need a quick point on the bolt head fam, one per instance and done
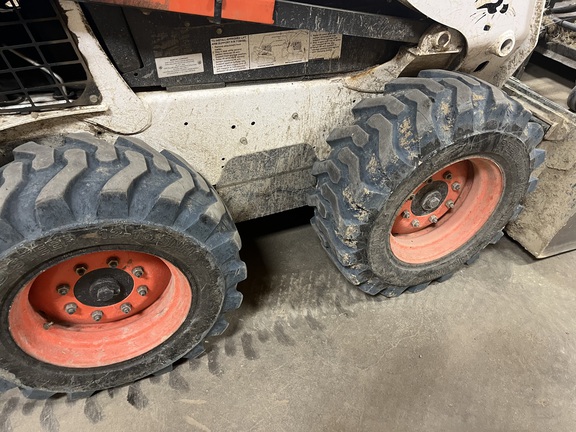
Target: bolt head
(406, 214)
(138, 272)
(456, 186)
(63, 289)
(126, 308)
(71, 308)
(81, 269)
(113, 262)
(433, 219)
(97, 315)
(450, 204)
(415, 224)
(448, 175)
(142, 290)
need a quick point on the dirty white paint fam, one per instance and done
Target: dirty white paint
(502, 32)
(210, 127)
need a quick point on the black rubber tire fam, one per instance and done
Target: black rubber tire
(55, 203)
(571, 101)
(399, 140)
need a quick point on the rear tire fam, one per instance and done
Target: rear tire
(135, 240)
(427, 177)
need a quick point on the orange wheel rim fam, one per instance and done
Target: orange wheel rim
(99, 309)
(442, 214)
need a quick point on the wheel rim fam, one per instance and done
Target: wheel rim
(447, 210)
(99, 309)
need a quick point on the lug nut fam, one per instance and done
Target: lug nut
(113, 262)
(456, 186)
(81, 269)
(142, 290)
(433, 219)
(450, 204)
(126, 308)
(447, 175)
(138, 272)
(71, 308)
(97, 315)
(415, 224)
(63, 289)
(406, 214)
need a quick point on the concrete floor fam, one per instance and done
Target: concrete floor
(492, 349)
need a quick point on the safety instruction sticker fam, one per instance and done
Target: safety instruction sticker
(179, 65)
(263, 50)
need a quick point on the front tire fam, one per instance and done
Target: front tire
(115, 261)
(427, 177)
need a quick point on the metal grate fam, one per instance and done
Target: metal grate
(41, 67)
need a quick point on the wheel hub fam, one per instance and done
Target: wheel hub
(429, 198)
(103, 287)
(433, 199)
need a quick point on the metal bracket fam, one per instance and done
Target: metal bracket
(437, 41)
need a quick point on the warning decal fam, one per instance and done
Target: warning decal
(263, 50)
(179, 65)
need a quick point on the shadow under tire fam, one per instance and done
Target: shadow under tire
(428, 175)
(115, 262)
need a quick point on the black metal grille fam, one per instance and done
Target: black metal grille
(41, 67)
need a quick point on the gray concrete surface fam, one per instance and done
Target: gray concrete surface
(492, 349)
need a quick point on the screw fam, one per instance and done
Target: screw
(415, 224)
(143, 290)
(447, 175)
(219, 31)
(433, 219)
(138, 272)
(113, 262)
(456, 186)
(126, 308)
(406, 214)
(93, 99)
(97, 315)
(81, 269)
(63, 289)
(71, 308)
(450, 204)
(243, 141)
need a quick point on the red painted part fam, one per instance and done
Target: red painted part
(482, 183)
(42, 329)
(260, 11)
(195, 7)
(459, 174)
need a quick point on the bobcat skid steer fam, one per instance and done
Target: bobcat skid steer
(134, 133)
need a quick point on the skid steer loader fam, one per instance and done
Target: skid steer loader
(134, 133)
